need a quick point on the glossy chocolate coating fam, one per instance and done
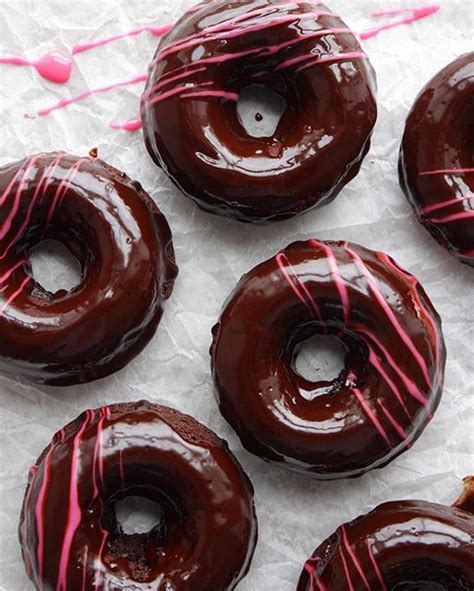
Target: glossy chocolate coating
(68, 530)
(124, 246)
(437, 158)
(399, 546)
(199, 140)
(395, 357)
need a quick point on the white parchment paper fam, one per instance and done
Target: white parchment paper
(295, 513)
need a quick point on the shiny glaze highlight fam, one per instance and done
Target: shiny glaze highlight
(124, 246)
(395, 357)
(305, 54)
(399, 546)
(70, 536)
(437, 158)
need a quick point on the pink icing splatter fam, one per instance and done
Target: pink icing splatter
(414, 14)
(54, 66)
(157, 31)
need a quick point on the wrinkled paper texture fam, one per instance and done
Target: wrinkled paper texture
(295, 513)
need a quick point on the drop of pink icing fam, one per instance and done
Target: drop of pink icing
(130, 125)
(53, 66)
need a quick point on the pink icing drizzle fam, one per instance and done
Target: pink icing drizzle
(450, 171)
(414, 15)
(372, 416)
(54, 66)
(74, 508)
(157, 31)
(346, 572)
(310, 568)
(296, 285)
(376, 567)
(86, 94)
(351, 553)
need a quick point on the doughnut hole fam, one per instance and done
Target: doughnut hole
(54, 267)
(260, 110)
(326, 359)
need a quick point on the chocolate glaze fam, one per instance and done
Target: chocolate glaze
(399, 546)
(124, 246)
(69, 534)
(437, 158)
(189, 108)
(394, 366)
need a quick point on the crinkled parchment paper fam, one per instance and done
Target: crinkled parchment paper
(295, 513)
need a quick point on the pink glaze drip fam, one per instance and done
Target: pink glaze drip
(376, 567)
(389, 312)
(372, 416)
(296, 285)
(54, 66)
(157, 31)
(414, 14)
(130, 125)
(88, 93)
(351, 553)
(74, 508)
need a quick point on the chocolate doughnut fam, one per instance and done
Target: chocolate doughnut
(124, 246)
(302, 52)
(399, 546)
(394, 365)
(69, 533)
(437, 158)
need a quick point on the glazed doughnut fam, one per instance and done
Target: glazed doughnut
(437, 158)
(69, 533)
(399, 546)
(298, 49)
(394, 365)
(124, 246)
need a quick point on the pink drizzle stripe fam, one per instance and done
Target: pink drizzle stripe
(389, 312)
(17, 200)
(9, 273)
(88, 93)
(26, 523)
(455, 217)
(154, 30)
(376, 567)
(373, 359)
(332, 59)
(229, 96)
(121, 469)
(63, 188)
(84, 568)
(46, 178)
(346, 572)
(14, 296)
(296, 285)
(377, 424)
(409, 384)
(351, 553)
(337, 277)
(395, 424)
(444, 204)
(416, 14)
(98, 461)
(310, 568)
(74, 509)
(452, 171)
